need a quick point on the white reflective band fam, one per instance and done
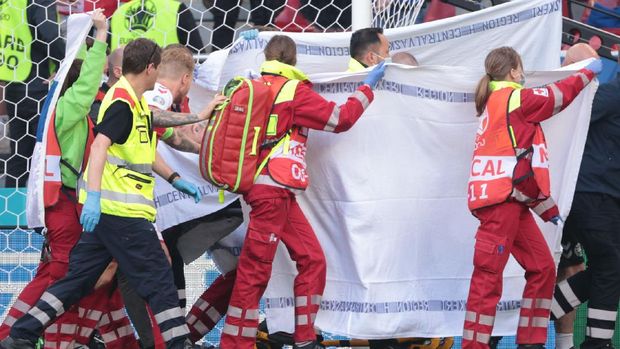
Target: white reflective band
(85, 332)
(599, 333)
(9, 320)
(542, 303)
(105, 319)
(52, 301)
(169, 314)
(230, 330)
(470, 316)
(181, 294)
(519, 196)
(200, 327)
(50, 345)
(117, 314)
(312, 317)
(468, 335)
(557, 310)
(125, 331)
(191, 318)
(81, 312)
(486, 320)
(108, 337)
(568, 293)
(202, 304)
(302, 320)
(234, 311)
(67, 329)
(524, 321)
(53, 328)
(214, 315)
(66, 345)
(543, 206)
(38, 314)
(142, 168)
(251, 314)
(249, 332)
(175, 332)
(360, 96)
(558, 96)
(301, 301)
(334, 119)
(584, 78)
(94, 315)
(21, 306)
(483, 337)
(121, 197)
(539, 321)
(600, 314)
(526, 303)
(316, 299)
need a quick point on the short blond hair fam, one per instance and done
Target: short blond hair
(176, 60)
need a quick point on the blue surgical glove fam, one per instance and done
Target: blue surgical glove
(596, 66)
(556, 220)
(188, 188)
(375, 75)
(91, 211)
(249, 34)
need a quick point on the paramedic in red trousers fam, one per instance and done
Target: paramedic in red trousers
(509, 176)
(117, 194)
(275, 213)
(594, 219)
(71, 133)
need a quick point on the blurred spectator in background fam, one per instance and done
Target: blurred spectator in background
(163, 21)
(606, 15)
(226, 14)
(28, 64)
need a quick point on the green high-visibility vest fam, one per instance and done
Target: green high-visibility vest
(151, 19)
(15, 41)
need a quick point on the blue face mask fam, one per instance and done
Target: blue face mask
(522, 81)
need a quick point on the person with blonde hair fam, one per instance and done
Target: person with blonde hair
(509, 175)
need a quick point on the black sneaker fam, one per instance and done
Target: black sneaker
(10, 343)
(311, 345)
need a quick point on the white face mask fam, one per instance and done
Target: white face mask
(104, 78)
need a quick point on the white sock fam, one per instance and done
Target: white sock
(301, 344)
(563, 340)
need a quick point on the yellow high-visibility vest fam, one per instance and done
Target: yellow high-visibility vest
(127, 181)
(151, 19)
(15, 41)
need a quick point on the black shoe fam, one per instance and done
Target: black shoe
(531, 346)
(311, 345)
(10, 343)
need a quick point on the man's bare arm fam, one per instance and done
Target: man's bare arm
(180, 141)
(164, 118)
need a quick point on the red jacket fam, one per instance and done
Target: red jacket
(537, 105)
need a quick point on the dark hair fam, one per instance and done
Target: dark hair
(497, 65)
(72, 75)
(138, 54)
(281, 48)
(362, 39)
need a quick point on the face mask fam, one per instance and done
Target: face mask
(522, 81)
(388, 60)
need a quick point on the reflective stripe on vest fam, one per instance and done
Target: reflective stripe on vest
(495, 153)
(15, 41)
(126, 184)
(151, 19)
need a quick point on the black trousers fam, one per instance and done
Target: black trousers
(595, 220)
(134, 244)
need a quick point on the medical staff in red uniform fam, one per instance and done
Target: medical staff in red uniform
(509, 176)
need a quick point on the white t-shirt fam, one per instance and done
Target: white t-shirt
(159, 97)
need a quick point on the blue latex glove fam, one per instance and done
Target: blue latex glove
(91, 211)
(249, 34)
(188, 188)
(375, 75)
(595, 66)
(556, 220)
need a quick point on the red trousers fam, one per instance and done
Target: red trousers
(509, 228)
(63, 232)
(275, 215)
(210, 307)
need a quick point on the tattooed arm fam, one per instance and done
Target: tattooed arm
(164, 118)
(182, 142)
